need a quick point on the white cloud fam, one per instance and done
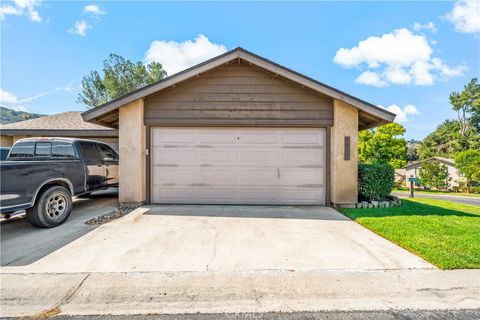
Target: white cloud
(12, 101)
(427, 26)
(400, 57)
(465, 16)
(93, 9)
(7, 97)
(371, 78)
(177, 56)
(21, 7)
(80, 28)
(402, 113)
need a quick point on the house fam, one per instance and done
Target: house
(66, 124)
(412, 170)
(238, 129)
(400, 176)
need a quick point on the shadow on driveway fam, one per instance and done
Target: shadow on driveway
(23, 244)
(248, 211)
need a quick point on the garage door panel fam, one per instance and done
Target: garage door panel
(302, 138)
(238, 165)
(172, 136)
(291, 177)
(259, 195)
(218, 157)
(258, 137)
(301, 157)
(174, 156)
(218, 137)
(256, 157)
(174, 176)
(257, 177)
(217, 176)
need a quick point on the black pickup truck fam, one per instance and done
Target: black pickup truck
(41, 175)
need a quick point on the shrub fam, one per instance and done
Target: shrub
(375, 181)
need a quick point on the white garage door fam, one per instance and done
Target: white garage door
(238, 166)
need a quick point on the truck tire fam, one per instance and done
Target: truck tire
(52, 207)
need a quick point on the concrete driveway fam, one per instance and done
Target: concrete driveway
(22, 244)
(208, 238)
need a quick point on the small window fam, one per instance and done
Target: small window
(43, 149)
(89, 152)
(107, 153)
(64, 150)
(22, 150)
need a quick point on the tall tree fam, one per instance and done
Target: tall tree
(442, 142)
(383, 145)
(468, 163)
(120, 76)
(434, 174)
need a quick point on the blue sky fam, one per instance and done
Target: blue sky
(407, 54)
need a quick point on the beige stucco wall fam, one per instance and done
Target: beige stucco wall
(132, 145)
(344, 172)
(6, 141)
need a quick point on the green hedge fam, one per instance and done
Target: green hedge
(375, 181)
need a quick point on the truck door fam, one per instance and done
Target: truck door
(94, 173)
(110, 164)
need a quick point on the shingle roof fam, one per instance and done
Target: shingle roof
(441, 159)
(70, 120)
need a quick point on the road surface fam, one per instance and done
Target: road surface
(460, 199)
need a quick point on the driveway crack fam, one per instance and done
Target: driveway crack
(214, 253)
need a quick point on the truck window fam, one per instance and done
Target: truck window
(107, 153)
(43, 149)
(63, 150)
(89, 152)
(22, 150)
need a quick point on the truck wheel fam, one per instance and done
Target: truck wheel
(51, 209)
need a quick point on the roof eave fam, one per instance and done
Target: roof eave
(94, 113)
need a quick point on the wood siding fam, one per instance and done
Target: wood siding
(238, 94)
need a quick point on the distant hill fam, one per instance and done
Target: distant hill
(11, 116)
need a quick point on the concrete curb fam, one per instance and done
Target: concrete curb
(235, 292)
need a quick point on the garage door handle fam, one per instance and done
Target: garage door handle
(278, 173)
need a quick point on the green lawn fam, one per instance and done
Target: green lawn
(473, 195)
(444, 233)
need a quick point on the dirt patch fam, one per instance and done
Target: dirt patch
(115, 214)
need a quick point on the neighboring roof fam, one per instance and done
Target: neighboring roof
(449, 161)
(383, 115)
(70, 122)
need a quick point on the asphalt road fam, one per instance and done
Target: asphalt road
(331, 315)
(460, 199)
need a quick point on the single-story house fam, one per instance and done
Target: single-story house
(66, 124)
(238, 129)
(400, 176)
(412, 170)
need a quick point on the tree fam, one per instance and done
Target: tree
(442, 142)
(467, 106)
(383, 145)
(434, 174)
(412, 150)
(454, 136)
(468, 163)
(120, 76)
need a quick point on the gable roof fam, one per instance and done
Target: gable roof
(70, 122)
(449, 161)
(379, 115)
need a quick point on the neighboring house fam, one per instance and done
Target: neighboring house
(66, 124)
(238, 129)
(413, 171)
(400, 176)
